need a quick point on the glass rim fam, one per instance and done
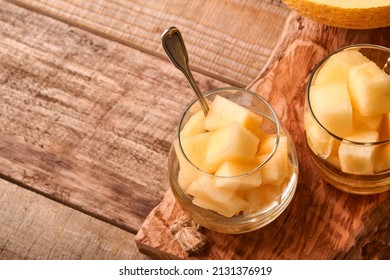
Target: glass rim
(314, 72)
(232, 89)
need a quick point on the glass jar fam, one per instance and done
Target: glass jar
(270, 197)
(358, 160)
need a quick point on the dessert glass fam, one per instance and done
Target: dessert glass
(324, 146)
(275, 200)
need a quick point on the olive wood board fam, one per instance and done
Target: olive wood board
(321, 221)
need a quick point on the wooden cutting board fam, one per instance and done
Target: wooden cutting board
(321, 222)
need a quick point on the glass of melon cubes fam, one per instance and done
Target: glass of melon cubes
(236, 169)
(347, 119)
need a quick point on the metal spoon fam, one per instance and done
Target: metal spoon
(173, 44)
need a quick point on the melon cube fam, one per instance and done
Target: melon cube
(260, 133)
(242, 183)
(358, 159)
(262, 197)
(194, 125)
(223, 201)
(332, 107)
(223, 112)
(187, 172)
(333, 157)
(231, 143)
(384, 130)
(382, 159)
(334, 160)
(337, 67)
(194, 148)
(369, 89)
(268, 143)
(276, 168)
(361, 123)
(319, 141)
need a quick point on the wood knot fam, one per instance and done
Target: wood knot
(189, 235)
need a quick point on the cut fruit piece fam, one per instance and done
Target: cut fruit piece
(382, 158)
(231, 143)
(333, 157)
(223, 112)
(187, 172)
(337, 67)
(355, 14)
(334, 160)
(361, 123)
(260, 133)
(262, 197)
(319, 141)
(332, 107)
(268, 143)
(223, 201)
(230, 169)
(193, 126)
(358, 159)
(384, 130)
(194, 148)
(369, 89)
(276, 169)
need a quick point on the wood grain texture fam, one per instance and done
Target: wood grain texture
(321, 222)
(228, 40)
(34, 227)
(88, 122)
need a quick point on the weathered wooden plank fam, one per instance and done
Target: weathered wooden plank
(86, 121)
(35, 227)
(321, 222)
(229, 40)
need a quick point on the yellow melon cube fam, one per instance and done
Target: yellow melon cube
(333, 157)
(223, 112)
(262, 197)
(187, 172)
(242, 183)
(194, 125)
(334, 160)
(231, 143)
(319, 141)
(275, 169)
(194, 148)
(331, 105)
(358, 159)
(337, 67)
(361, 123)
(382, 159)
(268, 144)
(223, 201)
(384, 130)
(259, 133)
(369, 89)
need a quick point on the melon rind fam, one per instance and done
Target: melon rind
(357, 15)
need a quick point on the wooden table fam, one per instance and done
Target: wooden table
(89, 105)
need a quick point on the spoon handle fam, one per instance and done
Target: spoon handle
(173, 44)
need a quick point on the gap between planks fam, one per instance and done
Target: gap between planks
(38, 228)
(232, 52)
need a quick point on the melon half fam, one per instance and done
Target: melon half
(354, 14)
